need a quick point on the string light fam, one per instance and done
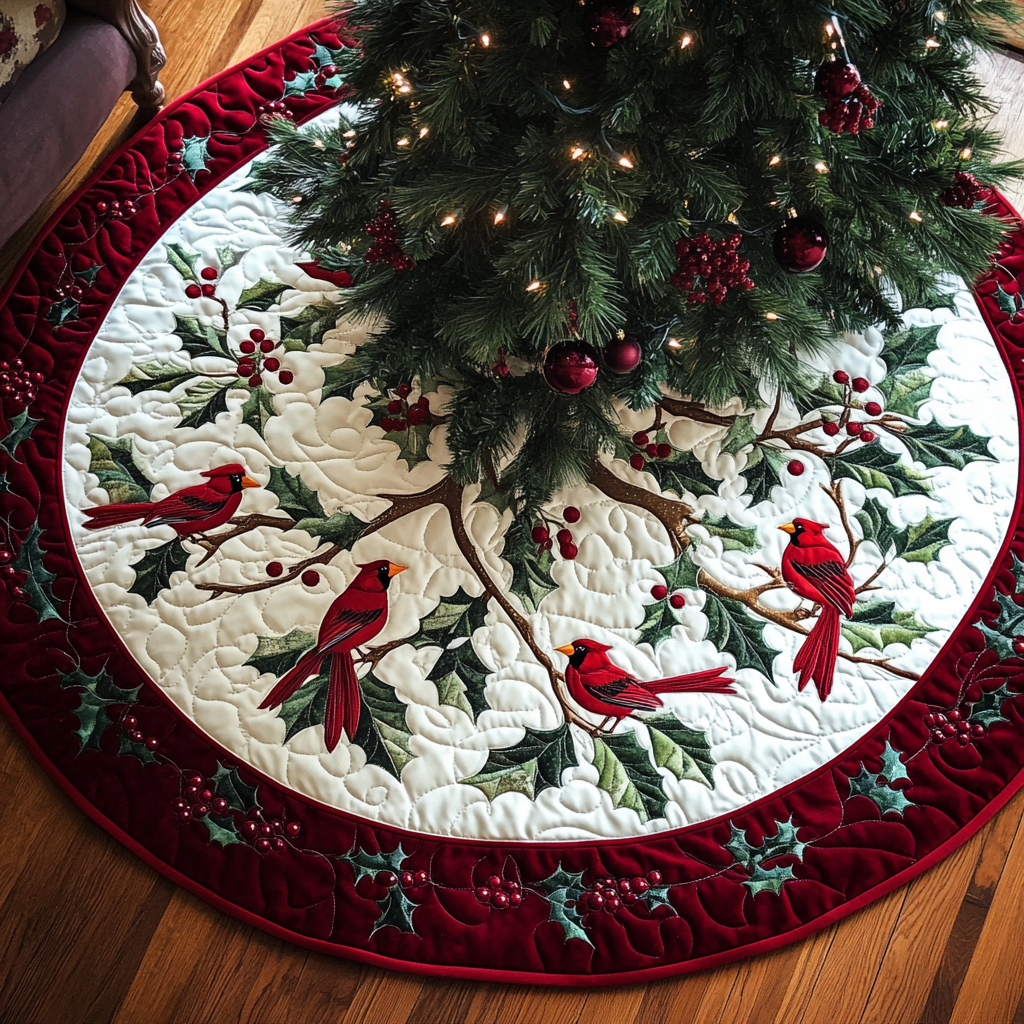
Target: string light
(931, 43)
(686, 41)
(821, 167)
(533, 286)
(499, 215)
(775, 161)
(577, 152)
(915, 216)
(402, 142)
(674, 343)
(298, 199)
(485, 39)
(423, 132)
(624, 161)
(940, 16)
(940, 125)
(771, 316)
(732, 218)
(319, 144)
(566, 84)
(449, 220)
(401, 83)
(350, 134)
(965, 154)
(620, 217)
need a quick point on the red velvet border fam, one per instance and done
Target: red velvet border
(713, 918)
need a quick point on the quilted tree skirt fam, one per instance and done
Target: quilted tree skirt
(470, 819)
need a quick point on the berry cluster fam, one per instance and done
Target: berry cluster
(408, 879)
(384, 228)
(401, 415)
(566, 546)
(275, 108)
(18, 383)
(324, 72)
(653, 450)
(267, 835)
(708, 269)
(612, 894)
(944, 726)
(256, 360)
(659, 592)
(849, 105)
(500, 367)
(9, 574)
(208, 290)
(310, 577)
(609, 23)
(198, 799)
(853, 427)
(130, 727)
(116, 209)
(966, 192)
(500, 893)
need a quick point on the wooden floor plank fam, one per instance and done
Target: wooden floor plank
(384, 996)
(811, 956)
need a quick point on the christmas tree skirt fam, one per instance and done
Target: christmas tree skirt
(602, 748)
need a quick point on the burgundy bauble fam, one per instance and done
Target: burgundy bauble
(570, 367)
(800, 244)
(836, 79)
(621, 355)
(609, 23)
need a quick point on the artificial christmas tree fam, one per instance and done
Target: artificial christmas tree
(522, 182)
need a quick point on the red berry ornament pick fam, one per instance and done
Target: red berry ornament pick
(836, 79)
(800, 245)
(849, 106)
(570, 367)
(621, 355)
(384, 229)
(609, 23)
(709, 269)
(966, 192)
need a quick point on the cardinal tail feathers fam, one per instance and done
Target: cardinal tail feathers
(816, 659)
(308, 665)
(343, 703)
(102, 516)
(708, 681)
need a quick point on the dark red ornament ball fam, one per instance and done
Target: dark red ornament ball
(621, 355)
(800, 245)
(570, 367)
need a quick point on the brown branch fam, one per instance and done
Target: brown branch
(406, 504)
(226, 313)
(675, 516)
(491, 471)
(694, 411)
(835, 492)
(774, 414)
(376, 654)
(866, 585)
(243, 525)
(296, 570)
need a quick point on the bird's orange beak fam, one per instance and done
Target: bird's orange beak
(566, 650)
(247, 481)
(787, 528)
(394, 570)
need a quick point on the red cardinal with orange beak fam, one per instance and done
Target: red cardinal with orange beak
(599, 685)
(815, 569)
(358, 614)
(190, 511)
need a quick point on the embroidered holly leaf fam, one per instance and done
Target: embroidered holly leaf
(823, 394)
(733, 536)
(886, 799)
(184, 260)
(935, 445)
(38, 585)
(303, 82)
(732, 630)
(200, 339)
(153, 571)
(112, 462)
(768, 879)
(262, 295)
(204, 401)
(876, 624)
(294, 497)
(89, 274)
(782, 843)
(763, 471)
(919, 542)
(195, 154)
(342, 529)
(745, 854)
(228, 256)
(19, 428)
(156, 377)
(5, 487)
(872, 466)
(222, 832)
(395, 911)
(1017, 567)
(1009, 624)
(324, 55)
(1008, 304)
(455, 616)
(64, 311)
(133, 748)
(893, 768)
(308, 327)
(343, 379)
(626, 774)
(306, 707)
(657, 896)
(563, 890)
(683, 473)
(278, 654)
(531, 571)
(660, 618)
(97, 693)
(908, 382)
(369, 865)
(741, 433)
(534, 764)
(258, 409)
(685, 752)
(461, 678)
(382, 732)
(227, 783)
(989, 709)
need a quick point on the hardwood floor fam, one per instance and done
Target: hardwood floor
(88, 933)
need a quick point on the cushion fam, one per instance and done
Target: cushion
(27, 28)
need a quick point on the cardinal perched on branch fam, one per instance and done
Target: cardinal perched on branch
(190, 511)
(814, 569)
(358, 614)
(599, 685)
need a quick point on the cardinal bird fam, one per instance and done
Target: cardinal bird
(599, 685)
(814, 569)
(358, 614)
(191, 510)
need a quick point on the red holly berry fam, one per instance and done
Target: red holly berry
(708, 268)
(193, 291)
(860, 384)
(515, 898)
(938, 736)
(310, 578)
(255, 380)
(407, 878)
(75, 292)
(949, 729)
(977, 731)
(1018, 646)
(184, 816)
(831, 428)
(867, 436)
(654, 877)
(640, 884)
(263, 846)
(386, 878)
(539, 534)
(208, 274)
(659, 591)
(421, 878)
(209, 290)
(483, 894)
(247, 347)
(245, 368)
(564, 536)
(179, 804)
(418, 416)
(152, 743)
(272, 364)
(796, 467)
(499, 900)
(664, 450)
(494, 882)
(129, 723)
(854, 428)
(286, 376)
(267, 346)
(836, 79)
(200, 810)
(257, 335)
(652, 451)
(841, 377)
(219, 805)
(571, 514)
(595, 901)
(568, 551)
(677, 600)
(640, 439)
(612, 904)
(274, 569)
(873, 409)
(292, 829)
(637, 461)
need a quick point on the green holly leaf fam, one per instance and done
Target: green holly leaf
(201, 339)
(989, 709)
(659, 622)
(258, 409)
(89, 275)
(824, 394)
(1017, 568)
(195, 154)
(131, 748)
(456, 616)
(741, 433)
(204, 401)
(98, 693)
(872, 466)
(308, 327)
(657, 896)
(685, 752)
(876, 624)
(783, 843)
(919, 542)
(228, 256)
(461, 678)
(1009, 624)
(395, 912)
(1007, 303)
(63, 312)
(157, 377)
(303, 82)
(534, 764)
(893, 768)
(184, 260)
(531, 571)
(732, 630)
(112, 462)
(768, 879)
(342, 379)
(153, 571)
(683, 473)
(324, 55)
(907, 384)
(227, 783)
(745, 854)
(342, 529)
(733, 536)
(223, 832)
(365, 864)
(262, 295)
(383, 715)
(19, 428)
(763, 471)
(414, 443)
(561, 889)
(294, 497)
(935, 445)
(39, 582)
(886, 799)
(680, 574)
(627, 775)
(278, 654)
